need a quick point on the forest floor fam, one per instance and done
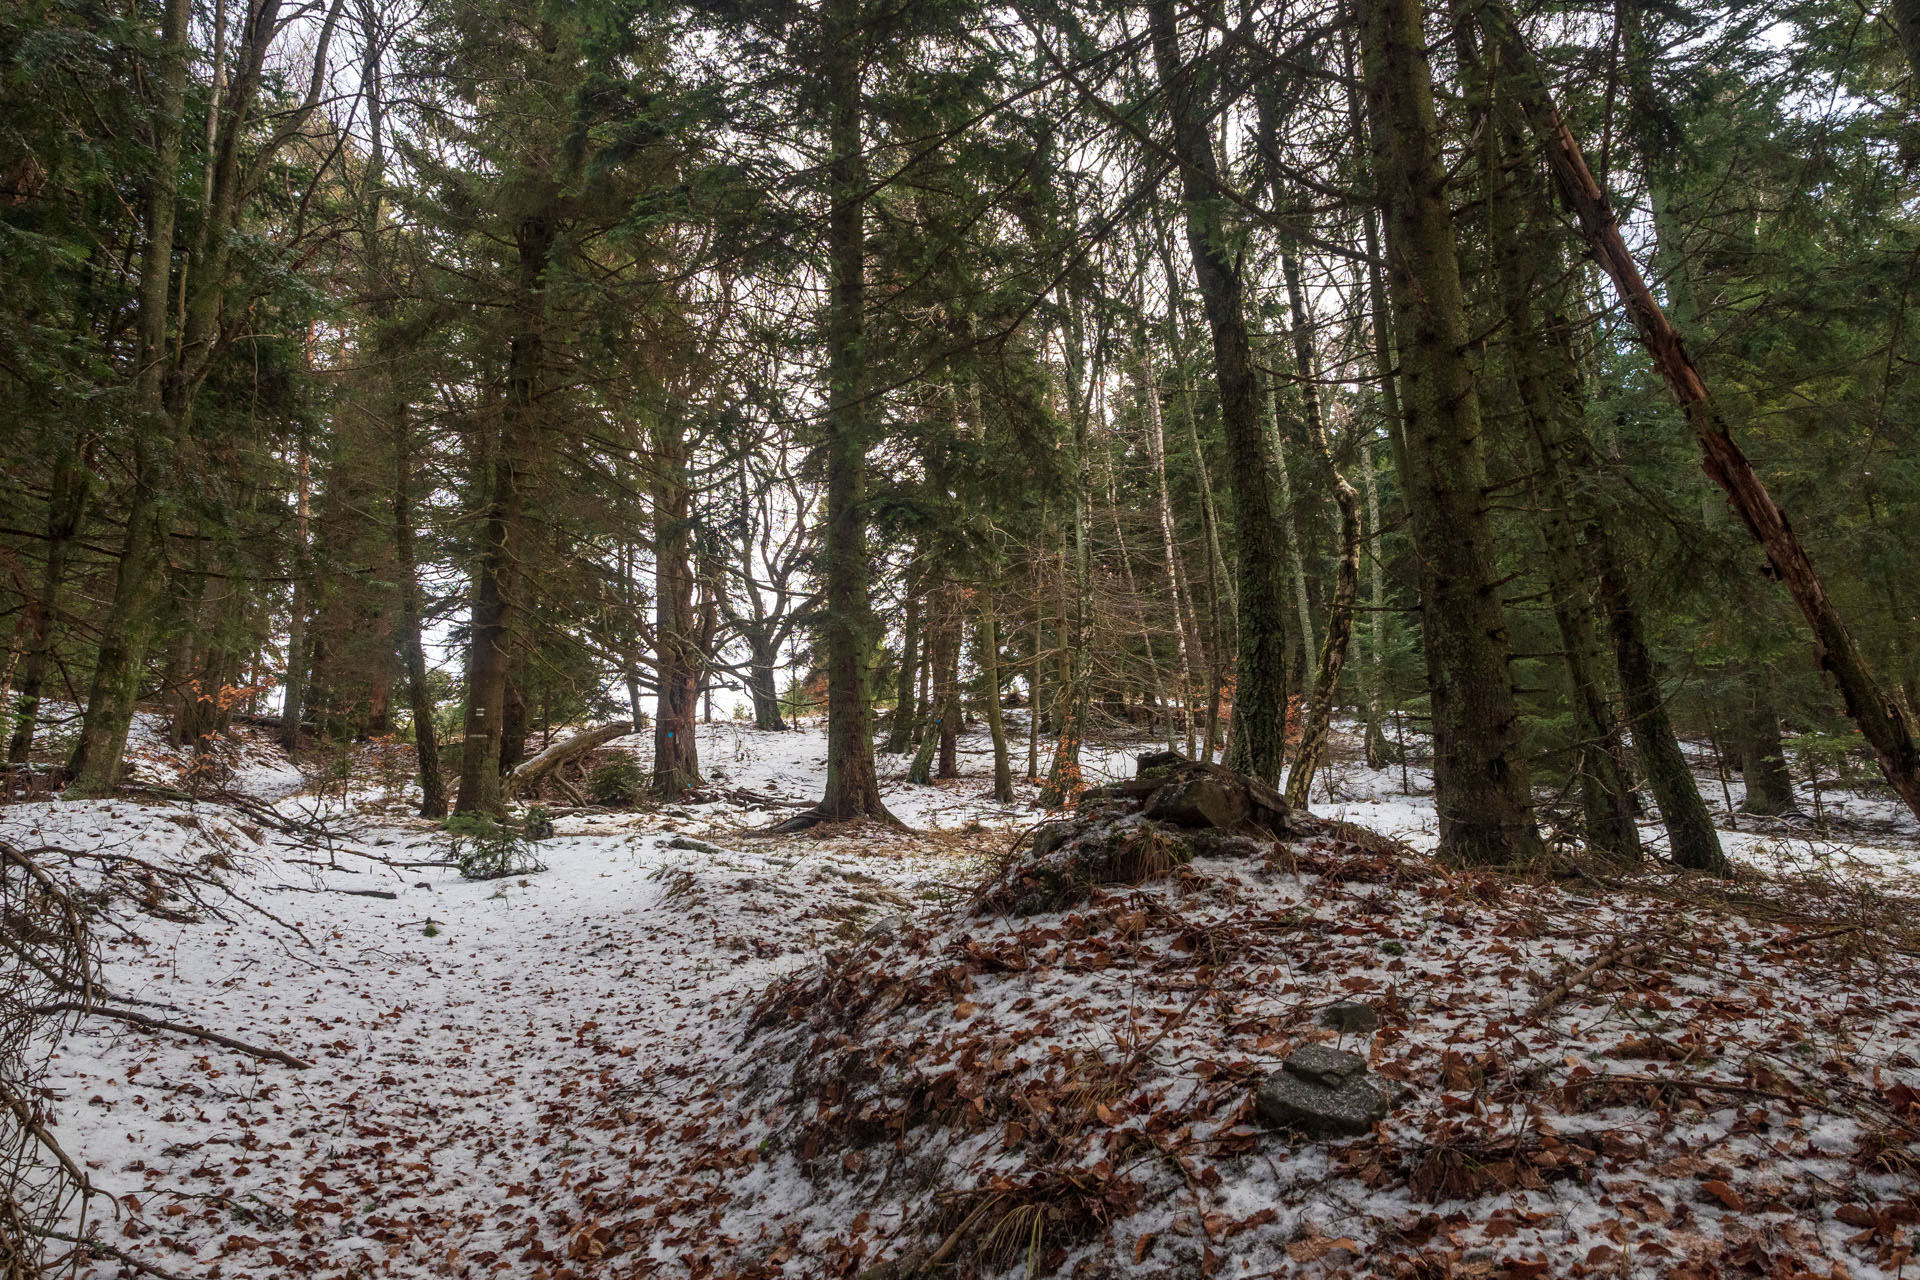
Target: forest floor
(635, 1062)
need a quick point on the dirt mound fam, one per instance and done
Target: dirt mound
(1172, 811)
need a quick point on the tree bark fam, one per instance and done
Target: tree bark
(989, 642)
(905, 711)
(1763, 757)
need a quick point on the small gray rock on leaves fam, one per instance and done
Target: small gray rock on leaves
(1322, 1092)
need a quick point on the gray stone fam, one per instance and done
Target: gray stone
(1293, 1102)
(1350, 1015)
(1322, 1065)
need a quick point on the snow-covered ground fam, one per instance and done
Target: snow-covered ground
(503, 1071)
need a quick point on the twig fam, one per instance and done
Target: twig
(179, 1028)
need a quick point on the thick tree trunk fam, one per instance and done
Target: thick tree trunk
(1260, 693)
(763, 662)
(130, 625)
(1868, 704)
(852, 788)
(497, 574)
(1480, 776)
(1692, 841)
(679, 661)
(1527, 266)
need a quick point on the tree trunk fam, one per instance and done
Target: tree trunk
(1260, 693)
(1186, 626)
(678, 662)
(413, 654)
(497, 574)
(1763, 757)
(763, 663)
(905, 710)
(66, 511)
(852, 788)
(1527, 265)
(130, 624)
(1480, 776)
(1692, 841)
(1064, 781)
(989, 641)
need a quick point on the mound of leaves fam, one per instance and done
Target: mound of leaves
(1063, 1076)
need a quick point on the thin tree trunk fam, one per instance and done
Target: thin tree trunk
(989, 641)
(1186, 626)
(1064, 780)
(413, 654)
(66, 510)
(900, 732)
(1260, 693)
(1333, 654)
(1379, 751)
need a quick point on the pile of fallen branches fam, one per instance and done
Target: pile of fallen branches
(49, 977)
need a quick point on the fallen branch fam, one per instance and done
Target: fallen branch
(178, 1028)
(1559, 991)
(358, 893)
(118, 1255)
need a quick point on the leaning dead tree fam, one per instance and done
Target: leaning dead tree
(48, 978)
(528, 772)
(1868, 704)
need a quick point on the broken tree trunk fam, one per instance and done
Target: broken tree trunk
(1868, 704)
(528, 772)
